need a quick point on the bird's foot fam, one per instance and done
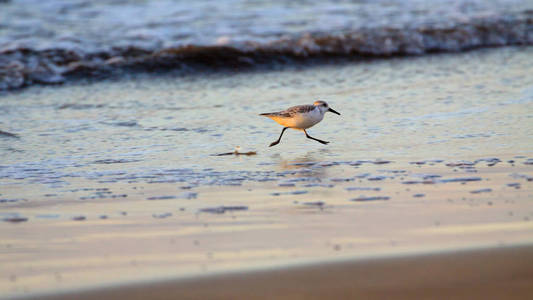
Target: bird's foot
(323, 142)
(274, 143)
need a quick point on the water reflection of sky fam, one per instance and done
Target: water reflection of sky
(167, 128)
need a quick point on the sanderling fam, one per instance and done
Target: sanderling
(300, 117)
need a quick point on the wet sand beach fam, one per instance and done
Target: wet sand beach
(494, 273)
(111, 187)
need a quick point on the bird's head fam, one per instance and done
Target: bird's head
(324, 107)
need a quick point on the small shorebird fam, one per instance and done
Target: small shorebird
(300, 117)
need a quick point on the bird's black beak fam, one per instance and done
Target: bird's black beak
(333, 111)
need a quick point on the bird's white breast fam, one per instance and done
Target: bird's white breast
(302, 120)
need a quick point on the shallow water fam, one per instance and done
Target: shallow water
(429, 153)
(168, 129)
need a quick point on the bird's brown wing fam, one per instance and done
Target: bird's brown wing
(291, 111)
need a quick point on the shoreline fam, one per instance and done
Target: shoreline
(472, 273)
(111, 186)
(100, 188)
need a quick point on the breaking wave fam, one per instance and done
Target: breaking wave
(23, 63)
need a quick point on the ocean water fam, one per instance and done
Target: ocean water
(49, 42)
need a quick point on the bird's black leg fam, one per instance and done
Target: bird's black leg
(279, 139)
(310, 137)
